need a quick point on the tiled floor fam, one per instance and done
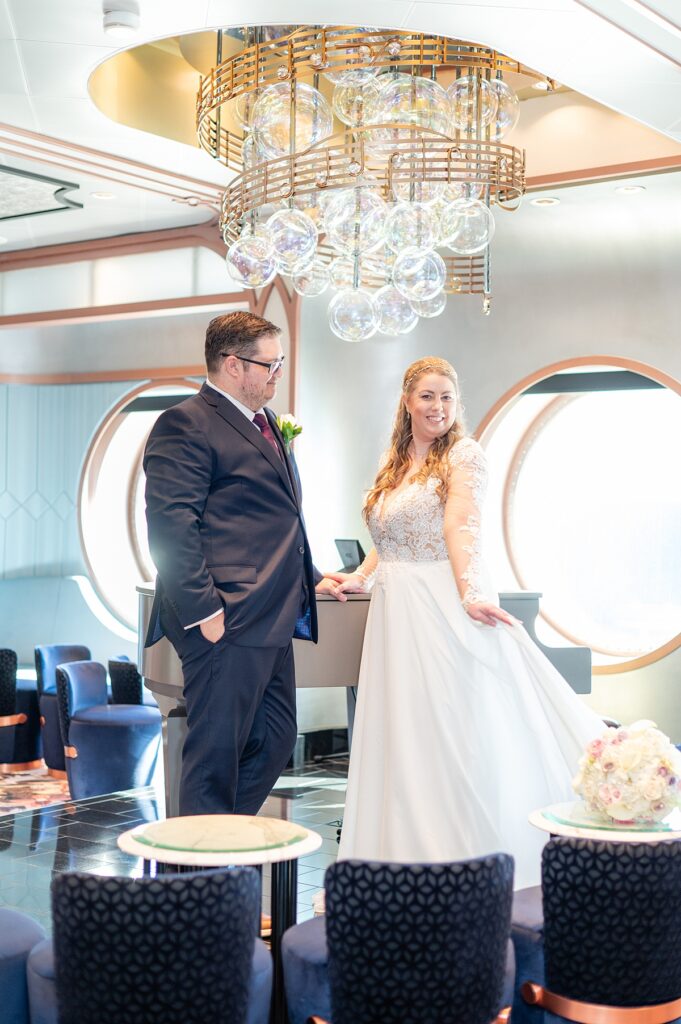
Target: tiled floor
(81, 836)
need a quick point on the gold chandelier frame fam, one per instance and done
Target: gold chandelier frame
(410, 152)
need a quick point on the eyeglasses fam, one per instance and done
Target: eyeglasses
(272, 367)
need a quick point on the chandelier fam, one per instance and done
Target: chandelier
(383, 192)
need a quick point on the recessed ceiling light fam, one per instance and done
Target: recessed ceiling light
(541, 85)
(630, 190)
(545, 201)
(121, 18)
(102, 195)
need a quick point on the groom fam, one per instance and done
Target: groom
(235, 575)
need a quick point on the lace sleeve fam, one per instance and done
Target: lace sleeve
(467, 482)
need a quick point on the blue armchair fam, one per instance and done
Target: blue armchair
(405, 942)
(611, 933)
(18, 936)
(47, 657)
(175, 949)
(107, 747)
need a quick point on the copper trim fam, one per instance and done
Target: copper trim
(21, 766)
(504, 1016)
(55, 773)
(317, 1020)
(70, 752)
(42, 721)
(595, 1013)
(7, 720)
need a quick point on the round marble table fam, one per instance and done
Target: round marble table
(574, 820)
(227, 840)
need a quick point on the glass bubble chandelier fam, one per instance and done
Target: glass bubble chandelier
(368, 162)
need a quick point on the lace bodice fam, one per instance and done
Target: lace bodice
(409, 525)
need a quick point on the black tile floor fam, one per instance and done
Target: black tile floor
(81, 836)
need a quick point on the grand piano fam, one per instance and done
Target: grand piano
(334, 661)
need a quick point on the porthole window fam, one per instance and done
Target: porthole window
(587, 499)
(111, 497)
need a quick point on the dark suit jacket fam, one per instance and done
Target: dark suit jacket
(225, 526)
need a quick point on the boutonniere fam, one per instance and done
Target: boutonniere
(289, 428)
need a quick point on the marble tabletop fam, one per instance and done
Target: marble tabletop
(574, 819)
(215, 840)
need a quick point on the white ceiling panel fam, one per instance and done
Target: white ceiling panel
(6, 26)
(12, 79)
(75, 61)
(388, 13)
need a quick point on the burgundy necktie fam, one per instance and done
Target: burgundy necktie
(263, 424)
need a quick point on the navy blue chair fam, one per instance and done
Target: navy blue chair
(107, 747)
(18, 936)
(9, 719)
(19, 718)
(47, 657)
(176, 949)
(611, 933)
(405, 942)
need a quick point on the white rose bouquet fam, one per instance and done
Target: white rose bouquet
(630, 774)
(289, 427)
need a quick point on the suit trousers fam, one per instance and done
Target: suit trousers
(241, 723)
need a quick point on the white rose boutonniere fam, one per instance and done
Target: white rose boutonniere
(289, 427)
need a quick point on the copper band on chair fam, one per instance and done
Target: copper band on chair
(56, 773)
(504, 1016)
(594, 1013)
(42, 721)
(70, 752)
(316, 1020)
(21, 766)
(12, 720)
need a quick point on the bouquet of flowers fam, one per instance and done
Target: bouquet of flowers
(630, 774)
(289, 427)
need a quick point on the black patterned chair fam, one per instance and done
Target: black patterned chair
(406, 943)
(20, 747)
(127, 686)
(177, 949)
(47, 657)
(611, 933)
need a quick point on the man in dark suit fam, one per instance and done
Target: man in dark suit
(235, 573)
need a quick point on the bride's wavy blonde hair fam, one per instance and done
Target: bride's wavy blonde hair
(396, 463)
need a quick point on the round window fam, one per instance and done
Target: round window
(111, 497)
(590, 503)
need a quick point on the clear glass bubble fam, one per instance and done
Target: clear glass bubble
(355, 220)
(508, 110)
(271, 119)
(456, 190)
(411, 101)
(342, 273)
(293, 236)
(410, 224)
(352, 315)
(395, 314)
(418, 191)
(467, 227)
(472, 99)
(250, 261)
(243, 109)
(419, 276)
(355, 105)
(430, 307)
(249, 153)
(312, 204)
(314, 280)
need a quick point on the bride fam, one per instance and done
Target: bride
(462, 727)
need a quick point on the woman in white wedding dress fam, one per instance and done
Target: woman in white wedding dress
(462, 726)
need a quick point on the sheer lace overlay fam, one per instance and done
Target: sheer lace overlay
(410, 525)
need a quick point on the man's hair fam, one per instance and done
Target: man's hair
(235, 334)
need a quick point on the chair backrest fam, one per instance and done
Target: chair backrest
(8, 682)
(612, 921)
(48, 656)
(176, 949)
(80, 685)
(418, 942)
(126, 682)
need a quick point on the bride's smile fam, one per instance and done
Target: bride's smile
(432, 407)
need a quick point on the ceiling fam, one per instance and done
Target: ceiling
(611, 51)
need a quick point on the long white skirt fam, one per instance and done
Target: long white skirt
(461, 730)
